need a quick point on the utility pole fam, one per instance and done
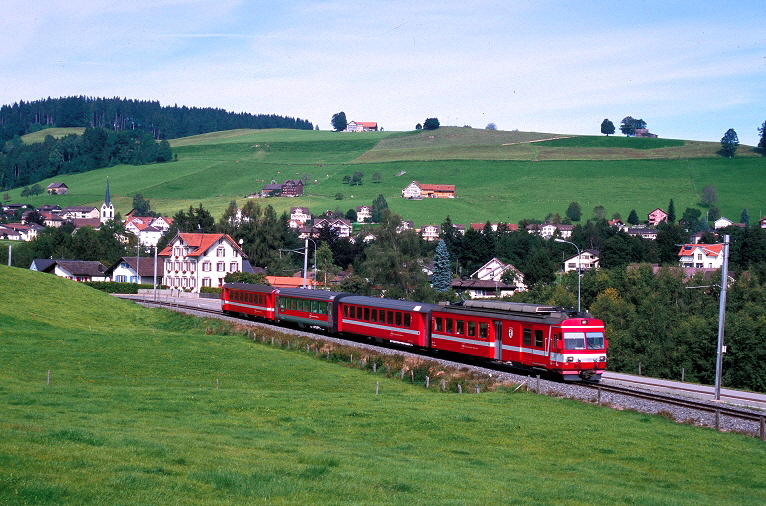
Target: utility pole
(722, 317)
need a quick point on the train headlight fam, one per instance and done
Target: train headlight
(602, 358)
(570, 359)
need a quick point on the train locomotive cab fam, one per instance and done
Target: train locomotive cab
(579, 349)
(248, 300)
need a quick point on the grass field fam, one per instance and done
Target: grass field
(500, 176)
(133, 415)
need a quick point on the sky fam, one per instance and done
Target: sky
(691, 70)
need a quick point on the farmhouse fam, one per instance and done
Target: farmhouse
(57, 189)
(363, 213)
(290, 188)
(196, 260)
(127, 269)
(299, 216)
(341, 226)
(430, 232)
(417, 191)
(80, 212)
(361, 126)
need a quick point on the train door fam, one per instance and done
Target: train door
(498, 339)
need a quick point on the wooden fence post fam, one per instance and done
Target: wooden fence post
(49, 382)
(444, 385)
(377, 385)
(428, 381)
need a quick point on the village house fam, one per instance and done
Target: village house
(363, 213)
(80, 213)
(430, 232)
(548, 230)
(643, 133)
(708, 256)
(57, 189)
(483, 289)
(148, 229)
(23, 232)
(656, 217)
(127, 269)
(589, 259)
(196, 260)
(9, 233)
(494, 270)
(643, 233)
(299, 216)
(417, 191)
(342, 226)
(78, 270)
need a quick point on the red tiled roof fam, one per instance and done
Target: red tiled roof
(708, 249)
(200, 243)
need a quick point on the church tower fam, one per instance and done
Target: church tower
(107, 209)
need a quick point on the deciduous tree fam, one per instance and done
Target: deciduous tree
(339, 122)
(574, 212)
(431, 124)
(607, 127)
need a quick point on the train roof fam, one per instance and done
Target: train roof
(516, 310)
(250, 287)
(401, 305)
(309, 293)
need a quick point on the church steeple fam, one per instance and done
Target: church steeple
(107, 209)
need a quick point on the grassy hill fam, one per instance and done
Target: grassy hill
(500, 176)
(133, 415)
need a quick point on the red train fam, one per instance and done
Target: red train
(523, 335)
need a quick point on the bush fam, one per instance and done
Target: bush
(115, 287)
(210, 289)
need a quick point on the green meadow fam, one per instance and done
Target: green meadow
(499, 176)
(152, 407)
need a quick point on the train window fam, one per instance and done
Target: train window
(282, 303)
(345, 311)
(448, 325)
(352, 311)
(538, 338)
(595, 340)
(471, 329)
(390, 317)
(483, 330)
(438, 324)
(366, 314)
(574, 340)
(322, 308)
(374, 315)
(406, 319)
(459, 327)
(527, 340)
(314, 306)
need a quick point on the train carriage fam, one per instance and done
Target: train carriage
(306, 307)
(389, 319)
(524, 335)
(252, 301)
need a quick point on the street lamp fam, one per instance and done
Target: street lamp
(557, 239)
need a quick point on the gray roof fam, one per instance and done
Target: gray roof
(401, 305)
(79, 267)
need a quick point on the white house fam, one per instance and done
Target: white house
(701, 256)
(148, 229)
(363, 213)
(430, 232)
(196, 260)
(342, 226)
(722, 223)
(589, 259)
(494, 270)
(548, 230)
(80, 212)
(299, 216)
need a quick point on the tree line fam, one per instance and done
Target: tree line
(118, 114)
(24, 164)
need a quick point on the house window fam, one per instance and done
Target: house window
(220, 252)
(221, 266)
(169, 266)
(205, 281)
(192, 282)
(177, 250)
(206, 267)
(233, 267)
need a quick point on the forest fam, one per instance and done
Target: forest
(118, 114)
(24, 164)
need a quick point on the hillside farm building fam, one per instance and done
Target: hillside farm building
(417, 191)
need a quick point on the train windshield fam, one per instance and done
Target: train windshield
(574, 340)
(595, 340)
(578, 340)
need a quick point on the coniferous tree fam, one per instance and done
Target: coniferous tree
(671, 212)
(729, 143)
(442, 278)
(633, 217)
(745, 218)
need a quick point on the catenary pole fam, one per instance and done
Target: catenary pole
(721, 317)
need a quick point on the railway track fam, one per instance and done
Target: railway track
(718, 411)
